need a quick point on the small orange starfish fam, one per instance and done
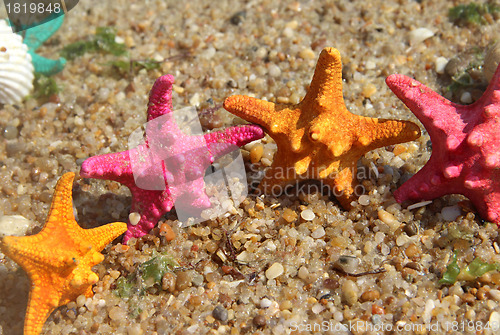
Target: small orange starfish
(59, 258)
(319, 138)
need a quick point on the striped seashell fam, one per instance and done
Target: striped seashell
(16, 69)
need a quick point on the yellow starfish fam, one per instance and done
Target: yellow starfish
(59, 258)
(319, 138)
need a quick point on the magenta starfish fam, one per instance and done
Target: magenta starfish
(465, 146)
(166, 154)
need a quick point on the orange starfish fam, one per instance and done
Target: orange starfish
(319, 138)
(59, 258)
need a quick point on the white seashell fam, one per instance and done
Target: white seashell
(16, 69)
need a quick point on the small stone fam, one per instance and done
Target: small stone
(307, 54)
(303, 273)
(274, 70)
(364, 200)
(10, 133)
(466, 98)
(494, 294)
(117, 314)
(134, 329)
(318, 233)
(419, 35)
(495, 319)
(134, 218)
(256, 153)
(14, 225)
(220, 313)
(350, 292)
(317, 308)
(274, 271)
(289, 215)
(307, 215)
(451, 213)
(168, 282)
(265, 303)
(370, 295)
(259, 321)
(167, 232)
(411, 229)
(347, 263)
(369, 90)
(440, 65)
(412, 250)
(389, 219)
(183, 280)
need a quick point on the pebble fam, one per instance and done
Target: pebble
(364, 200)
(134, 218)
(274, 271)
(303, 273)
(220, 313)
(495, 318)
(265, 303)
(307, 215)
(419, 35)
(317, 308)
(440, 65)
(10, 133)
(167, 232)
(117, 313)
(370, 295)
(491, 61)
(350, 292)
(256, 153)
(259, 320)
(451, 213)
(347, 263)
(389, 219)
(466, 98)
(14, 225)
(307, 54)
(274, 70)
(318, 233)
(369, 90)
(183, 280)
(134, 329)
(494, 294)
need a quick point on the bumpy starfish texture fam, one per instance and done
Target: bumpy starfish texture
(465, 139)
(319, 138)
(157, 185)
(34, 38)
(59, 258)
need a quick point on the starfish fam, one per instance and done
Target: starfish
(34, 38)
(59, 258)
(465, 139)
(319, 138)
(169, 165)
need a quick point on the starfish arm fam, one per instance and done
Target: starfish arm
(326, 84)
(43, 299)
(223, 142)
(343, 185)
(101, 236)
(376, 133)
(427, 184)
(113, 166)
(253, 110)
(160, 98)
(151, 205)
(61, 208)
(443, 119)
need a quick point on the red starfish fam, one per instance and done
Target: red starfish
(465, 146)
(169, 164)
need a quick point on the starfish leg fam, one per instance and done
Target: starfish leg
(103, 235)
(382, 132)
(38, 309)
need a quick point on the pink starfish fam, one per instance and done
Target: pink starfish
(465, 146)
(169, 164)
